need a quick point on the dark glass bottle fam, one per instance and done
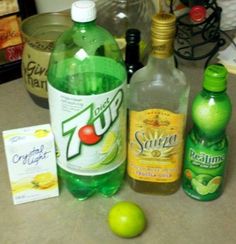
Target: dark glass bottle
(132, 55)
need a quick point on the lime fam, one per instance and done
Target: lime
(200, 184)
(109, 140)
(199, 187)
(189, 174)
(111, 156)
(203, 179)
(214, 184)
(126, 219)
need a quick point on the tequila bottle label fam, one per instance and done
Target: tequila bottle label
(155, 145)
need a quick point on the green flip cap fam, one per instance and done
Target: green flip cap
(215, 78)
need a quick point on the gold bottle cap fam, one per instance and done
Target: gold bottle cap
(163, 24)
(163, 31)
(164, 19)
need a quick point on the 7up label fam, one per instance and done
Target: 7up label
(90, 131)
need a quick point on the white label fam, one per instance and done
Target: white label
(90, 131)
(31, 163)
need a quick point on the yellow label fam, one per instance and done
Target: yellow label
(155, 145)
(34, 70)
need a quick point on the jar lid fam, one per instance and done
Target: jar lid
(197, 13)
(83, 11)
(215, 78)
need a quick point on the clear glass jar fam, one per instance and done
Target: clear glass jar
(40, 32)
(119, 15)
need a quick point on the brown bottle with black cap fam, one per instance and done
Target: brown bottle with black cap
(132, 52)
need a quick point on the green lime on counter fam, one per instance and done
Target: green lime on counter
(126, 219)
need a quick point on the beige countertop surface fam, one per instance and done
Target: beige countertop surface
(171, 219)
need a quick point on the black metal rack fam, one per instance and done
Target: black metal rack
(196, 41)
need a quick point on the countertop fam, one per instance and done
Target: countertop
(171, 219)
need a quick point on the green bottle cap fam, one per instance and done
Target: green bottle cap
(215, 78)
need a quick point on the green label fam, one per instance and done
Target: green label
(89, 130)
(204, 169)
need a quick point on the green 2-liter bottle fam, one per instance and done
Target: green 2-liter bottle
(207, 144)
(86, 89)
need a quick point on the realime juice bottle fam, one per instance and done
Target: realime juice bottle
(207, 144)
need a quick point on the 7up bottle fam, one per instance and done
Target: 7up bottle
(207, 144)
(86, 89)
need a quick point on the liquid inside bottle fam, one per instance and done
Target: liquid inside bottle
(157, 111)
(87, 80)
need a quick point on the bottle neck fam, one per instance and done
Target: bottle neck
(204, 138)
(132, 53)
(212, 93)
(161, 64)
(85, 24)
(162, 49)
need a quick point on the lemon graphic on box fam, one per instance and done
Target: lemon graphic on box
(20, 186)
(44, 180)
(41, 133)
(41, 181)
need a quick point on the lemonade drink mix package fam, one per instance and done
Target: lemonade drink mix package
(31, 162)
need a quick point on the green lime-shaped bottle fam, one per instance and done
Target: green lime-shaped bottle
(86, 89)
(207, 144)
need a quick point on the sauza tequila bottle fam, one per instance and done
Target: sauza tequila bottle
(87, 79)
(157, 111)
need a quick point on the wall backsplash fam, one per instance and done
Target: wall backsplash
(52, 6)
(59, 5)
